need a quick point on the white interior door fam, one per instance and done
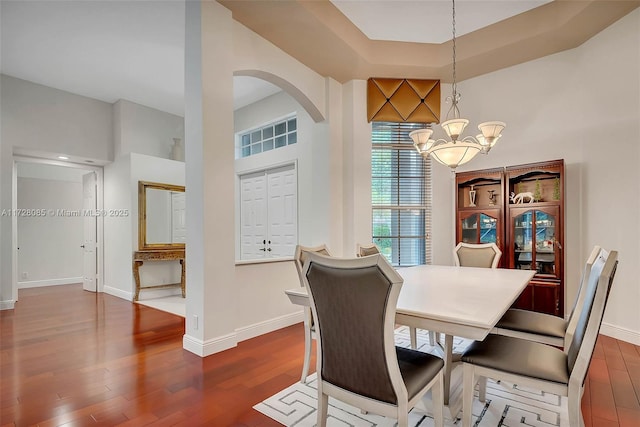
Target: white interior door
(253, 213)
(283, 206)
(89, 269)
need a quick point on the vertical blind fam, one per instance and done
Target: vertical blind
(400, 195)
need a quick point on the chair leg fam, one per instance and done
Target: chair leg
(574, 406)
(323, 407)
(482, 389)
(467, 394)
(437, 401)
(413, 337)
(307, 354)
(432, 338)
(403, 418)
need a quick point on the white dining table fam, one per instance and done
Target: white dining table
(465, 302)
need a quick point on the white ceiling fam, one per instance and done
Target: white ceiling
(134, 50)
(428, 21)
(107, 50)
(101, 49)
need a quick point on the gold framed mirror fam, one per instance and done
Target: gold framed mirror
(161, 216)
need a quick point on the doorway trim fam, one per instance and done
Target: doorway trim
(100, 222)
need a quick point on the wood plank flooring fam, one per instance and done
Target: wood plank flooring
(70, 357)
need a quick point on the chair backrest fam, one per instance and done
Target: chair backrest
(302, 253)
(584, 339)
(366, 250)
(354, 303)
(596, 252)
(477, 255)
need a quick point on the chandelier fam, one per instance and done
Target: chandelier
(455, 151)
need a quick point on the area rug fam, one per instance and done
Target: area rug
(506, 404)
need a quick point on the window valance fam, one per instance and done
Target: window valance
(403, 100)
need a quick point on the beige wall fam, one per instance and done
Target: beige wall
(562, 106)
(581, 105)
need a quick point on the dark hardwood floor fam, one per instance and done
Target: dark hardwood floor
(70, 357)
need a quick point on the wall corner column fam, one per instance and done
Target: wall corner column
(209, 155)
(357, 165)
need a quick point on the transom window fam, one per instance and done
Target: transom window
(400, 195)
(269, 137)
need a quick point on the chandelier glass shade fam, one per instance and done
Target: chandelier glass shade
(456, 151)
(454, 154)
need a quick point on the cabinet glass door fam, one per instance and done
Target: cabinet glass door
(523, 240)
(469, 229)
(488, 229)
(534, 242)
(545, 239)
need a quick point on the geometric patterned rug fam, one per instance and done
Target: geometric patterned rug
(506, 404)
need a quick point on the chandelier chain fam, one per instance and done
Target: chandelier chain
(457, 150)
(455, 96)
(453, 26)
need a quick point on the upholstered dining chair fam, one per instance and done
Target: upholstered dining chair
(300, 256)
(354, 305)
(466, 255)
(542, 327)
(366, 250)
(541, 366)
(477, 255)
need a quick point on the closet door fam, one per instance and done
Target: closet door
(269, 213)
(253, 224)
(283, 212)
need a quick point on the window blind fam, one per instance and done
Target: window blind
(400, 195)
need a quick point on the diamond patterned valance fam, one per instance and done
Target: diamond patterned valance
(403, 100)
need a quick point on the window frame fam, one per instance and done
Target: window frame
(250, 140)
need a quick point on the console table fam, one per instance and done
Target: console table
(139, 257)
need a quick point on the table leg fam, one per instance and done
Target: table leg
(136, 276)
(448, 361)
(183, 278)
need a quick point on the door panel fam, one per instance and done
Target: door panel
(253, 227)
(269, 213)
(282, 189)
(546, 298)
(525, 300)
(89, 260)
(469, 228)
(534, 241)
(484, 226)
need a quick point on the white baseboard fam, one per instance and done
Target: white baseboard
(225, 342)
(7, 305)
(49, 282)
(209, 347)
(621, 334)
(251, 331)
(118, 293)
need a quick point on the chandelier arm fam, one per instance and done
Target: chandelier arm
(439, 141)
(470, 138)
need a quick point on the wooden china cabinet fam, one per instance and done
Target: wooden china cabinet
(535, 232)
(480, 205)
(530, 204)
